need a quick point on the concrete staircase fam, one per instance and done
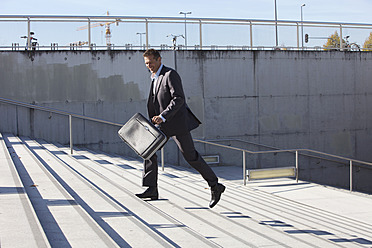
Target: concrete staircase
(50, 198)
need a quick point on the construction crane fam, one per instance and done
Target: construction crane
(107, 29)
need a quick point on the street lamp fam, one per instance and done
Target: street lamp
(185, 13)
(140, 34)
(276, 25)
(302, 25)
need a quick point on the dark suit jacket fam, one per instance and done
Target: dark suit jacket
(169, 101)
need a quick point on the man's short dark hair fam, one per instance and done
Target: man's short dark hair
(153, 52)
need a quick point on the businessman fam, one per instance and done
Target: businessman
(167, 108)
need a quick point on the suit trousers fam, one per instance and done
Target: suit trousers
(187, 148)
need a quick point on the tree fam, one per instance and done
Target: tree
(368, 43)
(333, 41)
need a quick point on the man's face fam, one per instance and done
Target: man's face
(152, 64)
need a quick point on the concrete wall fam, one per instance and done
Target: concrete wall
(288, 99)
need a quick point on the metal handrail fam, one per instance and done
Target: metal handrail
(18, 47)
(106, 18)
(60, 112)
(244, 151)
(285, 150)
(57, 111)
(296, 151)
(190, 20)
(306, 155)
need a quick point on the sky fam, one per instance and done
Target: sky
(355, 11)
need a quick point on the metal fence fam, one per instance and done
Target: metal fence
(306, 152)
(247, 34)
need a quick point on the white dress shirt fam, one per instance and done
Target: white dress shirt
(155, 77)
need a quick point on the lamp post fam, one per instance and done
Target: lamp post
(140, 34)
(185, 13)
(302, 25)
(276, 25)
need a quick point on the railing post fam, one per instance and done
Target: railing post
(341, 42)
(28, 33)
(89, 35)
(251, 33)
(298, 36)
(162, 158)
(147, 34)
(351, 176)
(244, 170)
(276, 27)
(296, 166)
(200, 35)
(70, 125)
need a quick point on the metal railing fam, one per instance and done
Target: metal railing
(200, 22)
(243, 151)
(296, 152)
(60, 112)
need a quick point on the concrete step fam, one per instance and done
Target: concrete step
(142, 223)
(256, 211)
(65, 221)
(20, 226)
(258, 207)
(87, 199)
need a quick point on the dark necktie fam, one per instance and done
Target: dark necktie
(154, 84)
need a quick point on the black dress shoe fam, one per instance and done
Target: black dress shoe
(151, 192)
(216, 191)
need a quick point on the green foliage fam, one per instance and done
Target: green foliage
(368, 43)
(333, 41)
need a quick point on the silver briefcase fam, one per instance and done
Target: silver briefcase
(142, 136)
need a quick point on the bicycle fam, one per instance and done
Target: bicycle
(351, 46)
(33, 43)
(347, 45)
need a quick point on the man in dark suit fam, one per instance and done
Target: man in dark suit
(167, 108)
